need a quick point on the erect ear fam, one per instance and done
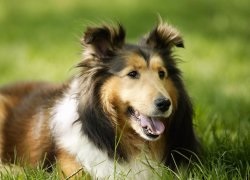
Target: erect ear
(102, 42)
(164, 36)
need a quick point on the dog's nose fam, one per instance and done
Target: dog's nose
(162, 104)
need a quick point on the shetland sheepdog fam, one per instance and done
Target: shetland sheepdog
(125, 113)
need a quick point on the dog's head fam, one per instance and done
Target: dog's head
(140, 87)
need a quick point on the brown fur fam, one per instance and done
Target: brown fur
(70, 168)
(2, 118)
(118, 90)
(32, 125)
(106, 91)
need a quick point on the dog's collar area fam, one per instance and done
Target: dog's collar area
(152, 127)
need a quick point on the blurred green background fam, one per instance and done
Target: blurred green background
(39, 40)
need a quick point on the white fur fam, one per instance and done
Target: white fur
(70, 137)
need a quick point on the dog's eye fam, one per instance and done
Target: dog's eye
(161, 74)
(134, 75)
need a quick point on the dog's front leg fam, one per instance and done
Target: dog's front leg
(69, 168)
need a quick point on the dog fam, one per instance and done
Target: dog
(125, 113)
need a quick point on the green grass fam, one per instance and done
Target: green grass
(39, 40)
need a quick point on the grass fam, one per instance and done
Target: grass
(41, 38)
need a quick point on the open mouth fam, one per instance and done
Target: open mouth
(152, 127)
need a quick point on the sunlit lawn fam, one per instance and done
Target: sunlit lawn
(39, 40)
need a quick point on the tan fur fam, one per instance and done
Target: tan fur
(156, 63)
(27, 137)
(110, 97)
(158, 147)
(2, 118)
(168, 84)
(136, 62)
(169, 33)
(119, 92)
(6, 102)
(69, 168)
(33, 116)
(34, 142)
(37, 139)
(149, 82)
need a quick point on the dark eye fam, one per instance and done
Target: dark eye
(161, 74)
(134, 75)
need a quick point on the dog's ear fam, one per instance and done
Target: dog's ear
(102, 42)
(164, 36)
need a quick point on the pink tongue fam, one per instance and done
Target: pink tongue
(155, 125)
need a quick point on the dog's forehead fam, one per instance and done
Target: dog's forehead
(144, 58)
(142, 51)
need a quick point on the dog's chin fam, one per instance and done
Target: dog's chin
(150, 128)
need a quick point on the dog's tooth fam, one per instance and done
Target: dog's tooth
(137, 114)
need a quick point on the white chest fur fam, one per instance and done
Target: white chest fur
(69, 136)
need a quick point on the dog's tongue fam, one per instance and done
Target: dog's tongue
(155, 125)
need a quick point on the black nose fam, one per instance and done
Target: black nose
(162, 104)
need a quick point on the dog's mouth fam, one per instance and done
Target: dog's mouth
(152, 127)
